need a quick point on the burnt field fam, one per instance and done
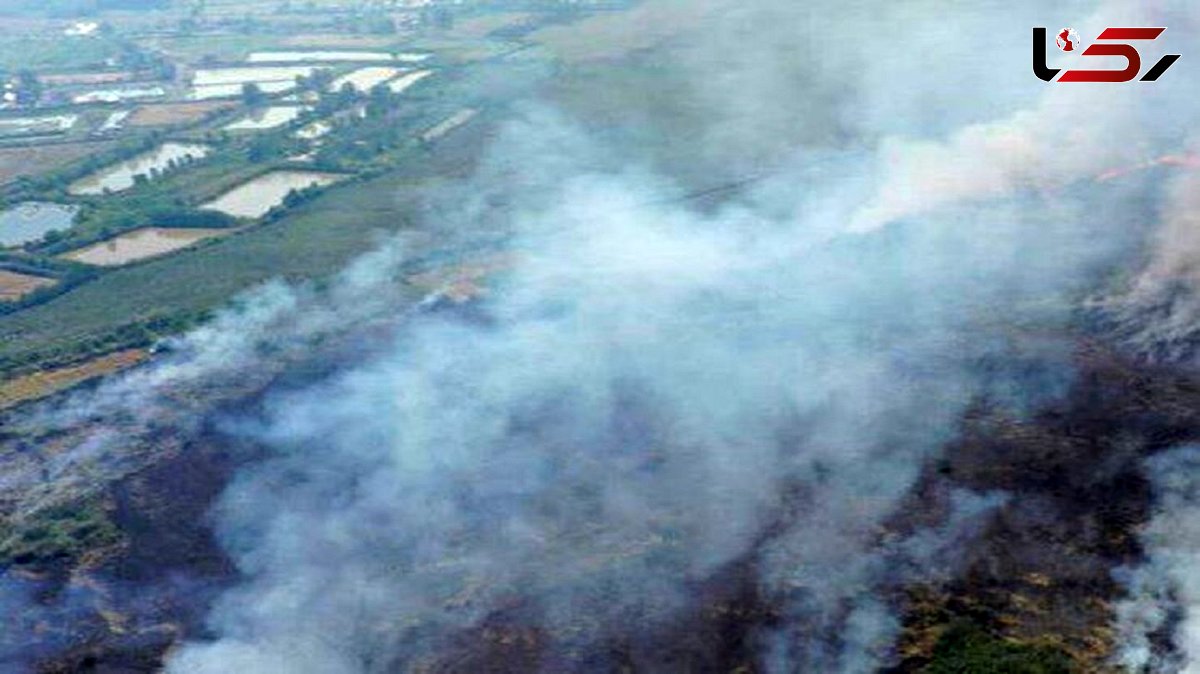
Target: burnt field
(1035, 574)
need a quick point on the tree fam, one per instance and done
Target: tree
(321, 79)
(29, 88)
(252, 95)
(264, 147)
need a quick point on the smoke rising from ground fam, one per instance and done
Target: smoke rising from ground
(1164, 593)
(651, 391)
(654, 393)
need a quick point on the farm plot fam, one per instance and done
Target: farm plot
(31, 161)
(140, 244)
(174, 113)
(13, 285)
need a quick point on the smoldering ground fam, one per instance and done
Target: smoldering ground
(654, 393)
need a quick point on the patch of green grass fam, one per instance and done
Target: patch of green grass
(55, 53)
(966, 648)
(58, 532)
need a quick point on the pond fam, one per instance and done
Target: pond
(314, 130)
(120, 176)
(31, 220)
(211, 91)
(253, 199)
(449, 124)
(266, 118)
(364, 79)
(240, 75)
(403, 82)
(37, 126)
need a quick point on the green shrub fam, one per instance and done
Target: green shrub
(57, 532)
(966, 648)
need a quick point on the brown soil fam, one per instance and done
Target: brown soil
(175, 113)
(14, 285)
(46, 382)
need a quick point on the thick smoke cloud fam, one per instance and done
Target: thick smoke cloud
(1164, 597)
(651, 390)
(651, 394)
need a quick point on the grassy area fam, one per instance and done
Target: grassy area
(41, 384)
(967, 649)
(55, 53)
(37, 159)
(57, 532)
(196, 48)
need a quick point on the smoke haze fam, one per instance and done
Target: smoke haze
(655, 393)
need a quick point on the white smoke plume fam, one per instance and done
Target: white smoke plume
(652, 390)
(1164, 596)
(1158, 313)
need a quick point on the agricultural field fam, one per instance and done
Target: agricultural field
(14, 286)
(40, 384)
(314, 240)
(141, 244)
(168, 114)
(180, 136)
(33, 160)
(55, 53)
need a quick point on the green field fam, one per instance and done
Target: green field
(96, 311)
(55, 53)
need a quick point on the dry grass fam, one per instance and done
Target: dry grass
(478, 27)
(175, 113)
(608, 35)
(14, 285)
(85, 78)
(464, 281)
(323, 40)
(31, 161)
(41, 384)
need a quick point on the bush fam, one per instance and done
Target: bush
(57, 532)
(966, 648)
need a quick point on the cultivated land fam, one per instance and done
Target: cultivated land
(43, 383)
(14, 286)
(166, 114)
(34, 160)
(119, 277)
